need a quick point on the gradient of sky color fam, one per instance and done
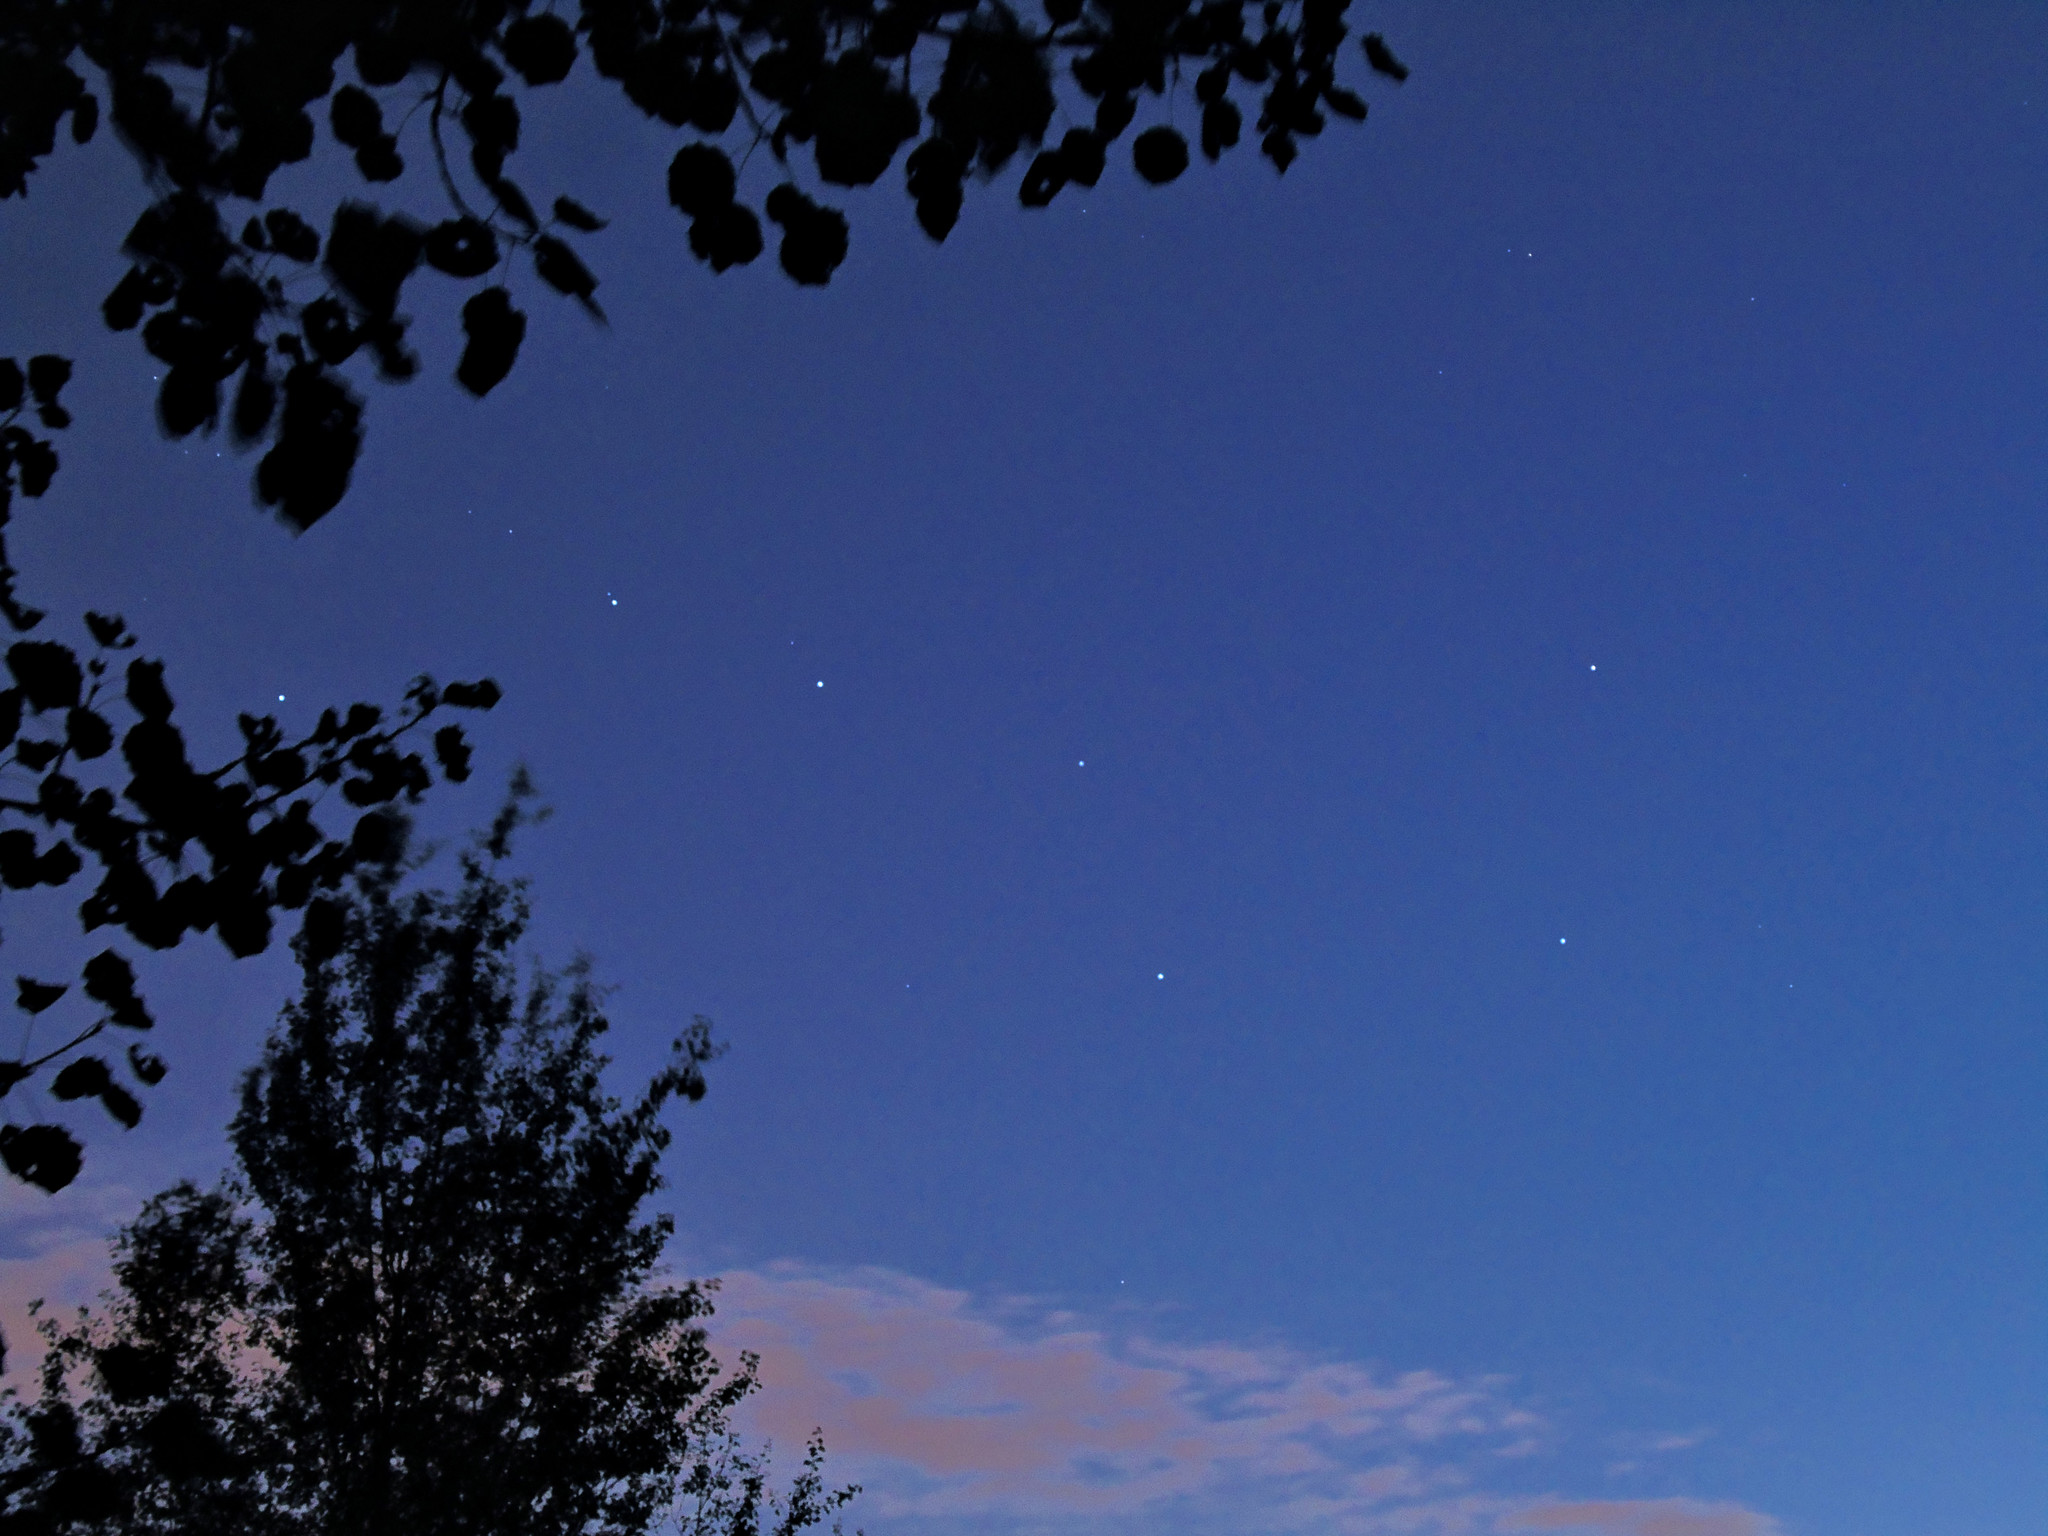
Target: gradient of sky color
(1372, 845)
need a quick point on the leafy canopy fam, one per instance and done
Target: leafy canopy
(425, 1304)
(255, 308)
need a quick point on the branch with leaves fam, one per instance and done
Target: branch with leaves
(214, 99)
(178, 849)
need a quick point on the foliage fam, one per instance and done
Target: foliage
(178, 849)
(214, 96)
(425, 1305)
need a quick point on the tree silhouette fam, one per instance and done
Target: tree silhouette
(214, 96)
(425, 1304)
(179, 849)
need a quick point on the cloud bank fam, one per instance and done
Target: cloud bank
(1002, 1417)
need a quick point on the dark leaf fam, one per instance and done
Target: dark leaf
(513, 201)
(562, 271)
(146, 691)
(110, 981)
(46, 1156)
(12, 1072)
(32, 996)
(255, 402)
(542, 48)
(148, 1068)
(187, 399)
(1113, 114)
(576, 216)
(291, 235)
(462, 247)
(10, 384)
(36, 463)
(83, 1078)
(371, 256)
(1381, 57)
(495, 330)
(355, 117)
(452, 752)
(482, 694)
(1345, 103)
(307, 473)
(120, 1103)
(813, 237)
(108, 630)
(379, 160)
(861, 116)
(1221, 125)
(88, 733)
(933, 174)
(1279, 147)
(726, 237)
(1044, 177)
(85, 118)
(1160, 154)
(328, 330)
(701, 180)
(1081, 153)
(47, 375)
(47, 673)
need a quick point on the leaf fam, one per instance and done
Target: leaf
(576, 216)
(861, 116)
(513, 201)
(291, 235)
(813, 237)
(701, 180)
(110, 981)
(371, 256)
(1160, 154)
(1221, 125)
(355, 117)
(495, 330)
(85, 118)
(462, 247)
(379, 160)
(542, 48)
(451, 750)
(933, 175)
(1381, 57)
(726, 237)
(1082, 154)
(482, 694)
(187, 399)
(10, 384)
(88, 733)
(47, 1156)
(84, 1078)
(48, 673)
(561, 269)
(1345, 103)
(146, 691)
(1043, 179)
(110, 631)
(255, 402)
(32, 996)
(148, 1068)
(319, 437)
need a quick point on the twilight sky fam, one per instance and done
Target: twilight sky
(1372, 845)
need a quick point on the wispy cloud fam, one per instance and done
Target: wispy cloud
(1643, 1517)
(1000, 1416)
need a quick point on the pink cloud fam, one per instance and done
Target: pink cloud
(1645, 1517)
(1000, 1415)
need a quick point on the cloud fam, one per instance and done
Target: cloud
(994, 1416)
(53, 1248)
(1644, 1517)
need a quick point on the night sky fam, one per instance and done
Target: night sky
(1372, 845)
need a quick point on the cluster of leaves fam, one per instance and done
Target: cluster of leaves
(426, 1303)
(214, 98)
(178, 849)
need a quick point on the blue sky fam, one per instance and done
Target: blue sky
(1413, 897)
